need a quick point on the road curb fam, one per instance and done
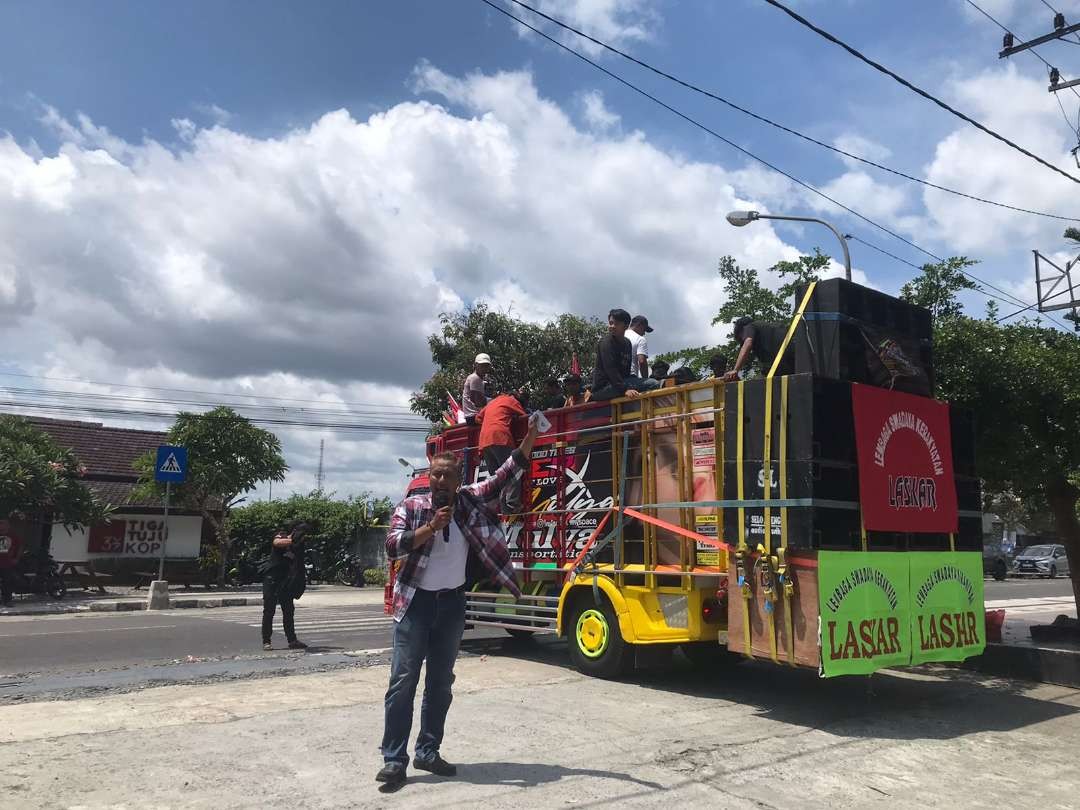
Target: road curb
(129, 605)
(1042, 664)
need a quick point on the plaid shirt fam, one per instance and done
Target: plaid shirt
(479, 523)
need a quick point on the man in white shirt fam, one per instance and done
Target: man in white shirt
(639, 344)
(473, 398)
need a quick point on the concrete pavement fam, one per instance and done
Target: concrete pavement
(532, 734)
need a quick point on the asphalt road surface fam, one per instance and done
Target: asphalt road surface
(178, 645)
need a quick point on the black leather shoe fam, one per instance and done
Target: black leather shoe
(436, 765)
(392, 773)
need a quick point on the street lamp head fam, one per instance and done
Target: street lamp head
(403, 462)
(740, 218)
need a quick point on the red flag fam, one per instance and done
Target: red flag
(575, 366)
(454, 410)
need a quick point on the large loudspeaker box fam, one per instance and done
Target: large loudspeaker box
(820, 464)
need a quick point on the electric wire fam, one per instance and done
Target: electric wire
(1037, 55)
(1056, 12)
(783, 128)
(742, 150)
(919, 91)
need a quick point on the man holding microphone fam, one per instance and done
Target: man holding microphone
(432, 534)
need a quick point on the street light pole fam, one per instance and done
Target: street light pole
(741, 218)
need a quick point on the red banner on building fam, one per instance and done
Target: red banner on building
(904, 444)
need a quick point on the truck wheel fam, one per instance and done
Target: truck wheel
(597, 647)
(1053, 572)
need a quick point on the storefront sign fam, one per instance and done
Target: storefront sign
(904, 446)
(130, 536)
(864, 611)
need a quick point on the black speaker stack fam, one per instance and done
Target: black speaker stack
(851, 334)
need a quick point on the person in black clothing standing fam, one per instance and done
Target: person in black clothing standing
(611, 377)
(283, 583)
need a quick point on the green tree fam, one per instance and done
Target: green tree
(1022, 381)
(227, 457)
(938, 285)
(335, 523)
(745, 295)
(39, 480)
(522, 353)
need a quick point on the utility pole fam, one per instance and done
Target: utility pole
(319, 474)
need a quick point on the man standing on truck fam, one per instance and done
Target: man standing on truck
(429, 599)
(472, 395)
(497, 441)
(763, 339)
(611, 376)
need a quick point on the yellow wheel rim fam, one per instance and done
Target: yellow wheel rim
(593, 633)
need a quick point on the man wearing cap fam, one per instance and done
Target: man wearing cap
(472, 396)
(639, 345)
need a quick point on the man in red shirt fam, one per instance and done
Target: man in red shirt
(498, 438)
(10, 546)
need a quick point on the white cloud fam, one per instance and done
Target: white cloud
(1019, 108)
(597, 115)
(314, 264)
(620, 23)
(216, 114)
(1036, 20)
(861, 147)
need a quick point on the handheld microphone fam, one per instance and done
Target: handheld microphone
(438, 501)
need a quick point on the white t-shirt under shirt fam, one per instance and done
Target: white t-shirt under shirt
(639, 344)
(446, 565)
(474, 382)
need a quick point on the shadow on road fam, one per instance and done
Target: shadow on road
(928, 703)
(527, 774)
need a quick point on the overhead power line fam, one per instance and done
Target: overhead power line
(627, 83)
(783, 128)
(928, 96)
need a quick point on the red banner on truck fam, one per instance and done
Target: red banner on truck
(904, 446)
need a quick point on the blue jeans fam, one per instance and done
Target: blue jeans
(431, 629)
(636, 383)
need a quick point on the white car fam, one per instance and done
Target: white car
(1047, 560)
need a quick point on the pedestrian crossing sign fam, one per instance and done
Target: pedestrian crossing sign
(171, 464)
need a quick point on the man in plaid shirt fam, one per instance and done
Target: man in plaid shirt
(429, 599)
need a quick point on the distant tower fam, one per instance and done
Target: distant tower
(319, 474)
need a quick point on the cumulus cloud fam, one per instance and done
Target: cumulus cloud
(319, 259)
(596, 113)
(617, 22)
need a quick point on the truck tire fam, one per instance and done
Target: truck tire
(1053, 572)
(597, 647)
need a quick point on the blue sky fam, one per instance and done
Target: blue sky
(183, 160)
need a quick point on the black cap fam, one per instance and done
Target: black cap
(642, 320)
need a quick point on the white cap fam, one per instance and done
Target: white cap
(483, 359)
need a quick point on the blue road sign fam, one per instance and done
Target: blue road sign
(171, 465)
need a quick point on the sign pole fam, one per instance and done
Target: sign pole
(165, 532)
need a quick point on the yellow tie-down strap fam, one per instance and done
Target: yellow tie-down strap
(773, 564)
(741, 551)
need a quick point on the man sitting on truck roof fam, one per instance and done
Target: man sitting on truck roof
(573, 392)
(611, 376)
(763, 339)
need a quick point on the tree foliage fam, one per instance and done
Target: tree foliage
(334, 524)
(227, 456)
(937, 287)
(745, 295)
(523, 353)
(39, 480)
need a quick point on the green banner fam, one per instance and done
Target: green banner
(865, 611)
(948, 617)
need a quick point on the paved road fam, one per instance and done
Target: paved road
(1027, 588)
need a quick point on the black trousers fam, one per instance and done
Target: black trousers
(510, 497)
(274, 595)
